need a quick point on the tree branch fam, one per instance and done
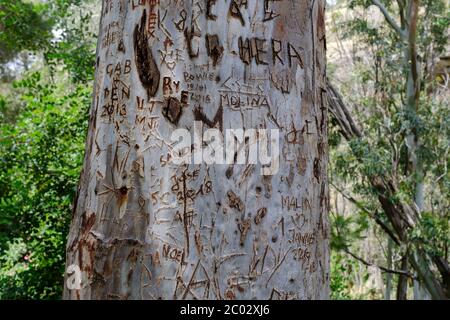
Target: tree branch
(390, 19)
(372, 215)
(401, 215)
(384, 269)
(341, 114)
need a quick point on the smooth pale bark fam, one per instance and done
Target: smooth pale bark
(388, 289)
(144, 228)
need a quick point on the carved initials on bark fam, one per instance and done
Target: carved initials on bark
(145, 63)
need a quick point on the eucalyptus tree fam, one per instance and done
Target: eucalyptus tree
(205, 172)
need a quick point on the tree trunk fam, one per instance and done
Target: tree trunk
(402, 285)
(147, 225)
(388, 290)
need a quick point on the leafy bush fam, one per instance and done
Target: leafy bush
(40, 160)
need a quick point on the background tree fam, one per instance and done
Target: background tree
(403, 161)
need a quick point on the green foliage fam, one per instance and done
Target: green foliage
(26, 25)
(347, 230)
(40, 157)
(76, 48)
(30, 30)
(43, 120)
(381, 76)
(341, 277)
(432, 234)
(22, 26)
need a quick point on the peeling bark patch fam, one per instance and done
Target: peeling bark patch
(234, 201)
(98, 280)
(172, 110)
(321, 21)
(145, 63)
(213, 48)
(87, 221)
(317, 168)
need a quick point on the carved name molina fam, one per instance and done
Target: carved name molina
(237, 100)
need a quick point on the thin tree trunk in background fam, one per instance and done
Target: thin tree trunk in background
(417, 291)
(387, 295)
(145, 228)
(402, 285)
(413, 91)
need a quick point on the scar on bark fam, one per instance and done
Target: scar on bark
(189, 35)
(121, 46)
(122, 195)
(217, 122)
(317, 168)
(213, 48)
(229, 172)
(234, 201)
(235, 12)
(260, 215)
(145, 63)
(244, 227)
(87, 222)
(209, 4)
(172, 110)
(198, 243)
(302, 165)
